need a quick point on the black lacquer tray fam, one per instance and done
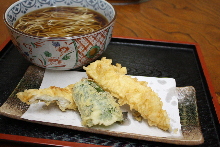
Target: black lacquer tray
(142, 58)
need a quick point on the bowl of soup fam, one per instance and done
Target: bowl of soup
(60, 35)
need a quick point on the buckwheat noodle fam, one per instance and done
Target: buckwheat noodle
(61, 21)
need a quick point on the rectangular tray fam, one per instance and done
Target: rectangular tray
(142, 58)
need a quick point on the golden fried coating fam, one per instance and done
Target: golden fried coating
(62, 96)
(129, 91)
(96, 106)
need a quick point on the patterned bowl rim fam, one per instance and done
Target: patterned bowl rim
(58, 38)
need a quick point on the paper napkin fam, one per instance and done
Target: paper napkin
(165, 87)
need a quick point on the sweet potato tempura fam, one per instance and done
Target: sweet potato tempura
(129, 91)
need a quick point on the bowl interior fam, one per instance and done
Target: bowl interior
(18, 9)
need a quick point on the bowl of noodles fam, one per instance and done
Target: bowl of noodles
(60, 34)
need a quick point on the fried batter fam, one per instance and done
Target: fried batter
(129, 91)
(62, 96)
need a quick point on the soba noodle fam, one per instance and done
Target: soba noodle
(61, 21)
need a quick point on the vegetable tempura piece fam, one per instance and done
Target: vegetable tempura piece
(62, 96)
(129, 91)
(96, 106)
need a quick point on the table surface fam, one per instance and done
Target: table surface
(193, 21)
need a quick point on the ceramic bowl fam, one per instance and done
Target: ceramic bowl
(60, 53)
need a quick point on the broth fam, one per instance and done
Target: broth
(60, 21)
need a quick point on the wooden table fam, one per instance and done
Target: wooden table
(196, 21)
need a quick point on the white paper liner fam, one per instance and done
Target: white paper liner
(165, 87)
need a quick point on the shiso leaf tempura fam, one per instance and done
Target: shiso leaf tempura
(96, 106)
